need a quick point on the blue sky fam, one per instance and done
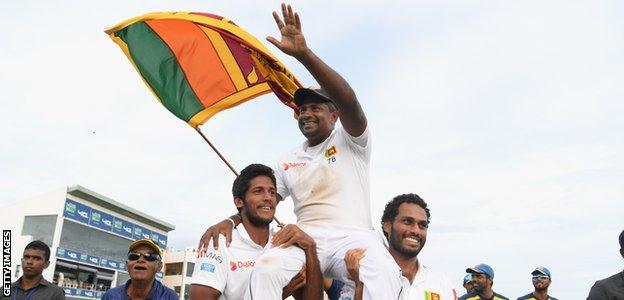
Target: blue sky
(504, 115)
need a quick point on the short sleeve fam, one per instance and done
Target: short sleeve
(280, 184)
(362, 141)
(211, 267)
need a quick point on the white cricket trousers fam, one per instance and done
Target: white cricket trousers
(378, 270)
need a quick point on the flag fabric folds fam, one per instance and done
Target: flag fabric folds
(198, 64)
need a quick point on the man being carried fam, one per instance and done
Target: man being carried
(482, 282)
(541, 282)
(224, 273)
(328, 179)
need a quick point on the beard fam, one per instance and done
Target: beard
(395, 241)
(254, 219)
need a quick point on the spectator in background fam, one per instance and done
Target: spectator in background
(468, 283)
(32, 285)
(144, 261)
(482, 282)
(612, 287)
(541, 282)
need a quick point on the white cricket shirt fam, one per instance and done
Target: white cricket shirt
(430, 286)
(329, 183)
(229, 268)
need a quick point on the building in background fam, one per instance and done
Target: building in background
(178, 270)
(88, 235)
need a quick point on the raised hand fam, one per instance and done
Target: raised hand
(224, 227)
(293, 43)
(352, 261)
(292, 235)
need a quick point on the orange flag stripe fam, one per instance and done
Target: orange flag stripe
(194, 59)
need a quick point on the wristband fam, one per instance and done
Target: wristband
(233, 223)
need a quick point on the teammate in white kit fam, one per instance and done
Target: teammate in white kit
(224, 273)
(405, 222)
(328, 179)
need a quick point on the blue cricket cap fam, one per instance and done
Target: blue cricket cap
(467, 278)
(541, 270)
(481, 269)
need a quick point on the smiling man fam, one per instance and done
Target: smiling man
(144, 261)
(224, 273)
(482, 282)
(32, 285)
(327, 177)
(541, 281)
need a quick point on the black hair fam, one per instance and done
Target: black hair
(39, 245)
(622, 240)
(392, 207)
(241, 183)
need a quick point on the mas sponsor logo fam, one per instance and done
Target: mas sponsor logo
(210, 255)
(241, 264)
(206, 267)
(289, 165)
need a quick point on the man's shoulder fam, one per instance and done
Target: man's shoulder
(526, 297)
(116, 292)
(610, 285)
(499, 296)
(470, 295)
(615, 279)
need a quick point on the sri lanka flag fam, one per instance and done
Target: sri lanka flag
(198, 64)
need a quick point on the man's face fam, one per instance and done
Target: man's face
(541, 282)
(34, 262)
(407, 233)
(316, 120)
(480, 282)
(141, 269)
(260, 201)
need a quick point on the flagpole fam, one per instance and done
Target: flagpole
(216, 151)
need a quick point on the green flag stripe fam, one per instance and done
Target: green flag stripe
(160, 69)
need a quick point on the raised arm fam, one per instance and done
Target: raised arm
(293, 43)
(352, 261)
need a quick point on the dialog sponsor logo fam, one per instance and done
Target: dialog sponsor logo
(289, 165)
(241, 264)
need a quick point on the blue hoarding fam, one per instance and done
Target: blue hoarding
(77, 211)
(101, 220)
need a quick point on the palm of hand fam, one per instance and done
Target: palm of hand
(293, 41)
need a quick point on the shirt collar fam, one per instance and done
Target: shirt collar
(301, 150)
(242, 232)
(150, 295)
(42, 281)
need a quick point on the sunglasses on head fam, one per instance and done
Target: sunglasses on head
(148, 256)
(538, 277)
